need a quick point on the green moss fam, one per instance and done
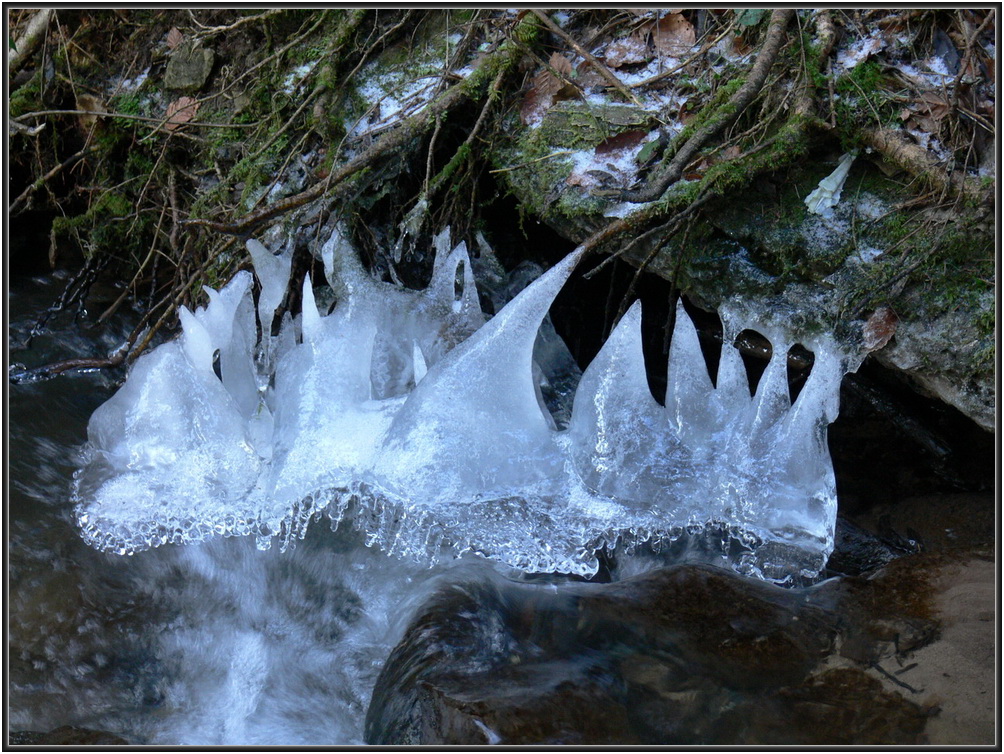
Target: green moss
(714, 109)
(27, 98)
(105, 225)
(458, 159)
(128, 103)
(863, 100)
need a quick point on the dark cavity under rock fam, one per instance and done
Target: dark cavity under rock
(688, 654)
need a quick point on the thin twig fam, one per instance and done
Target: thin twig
(967, 56)
(125, 116)
(389, 143)
(71, 160)
(149, 255)
(668, 227)
(559, 153)
(666, 74)
(601, 69)
(894, 679)
(209, 31)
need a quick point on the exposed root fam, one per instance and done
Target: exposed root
(389, 143)
(726, 115)
(896, 148)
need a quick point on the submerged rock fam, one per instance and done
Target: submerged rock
(687, 654)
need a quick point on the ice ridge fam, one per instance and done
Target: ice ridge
(408, 413)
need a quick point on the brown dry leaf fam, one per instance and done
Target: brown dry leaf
(673, 34)
(545, 89)
(180, 112)
(588, 77)
(731, 153)
(560, 63)
(174, 38)
(934, 105)
(620, 142)
(879, 328)
(740, 47)
(629, 50)
(89, 104)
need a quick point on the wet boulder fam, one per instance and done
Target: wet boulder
(686, 654)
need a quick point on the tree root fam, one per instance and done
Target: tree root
(389, 143)
(897, 149)
(726, 115)
(21, 202)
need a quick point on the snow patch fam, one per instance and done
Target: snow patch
(294, 77)
(859, 51)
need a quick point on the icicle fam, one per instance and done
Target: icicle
(419, 362)
(311, 322)
(618, 431)
(273, 274)
(436, 428)
(688, 386)
(434, 447)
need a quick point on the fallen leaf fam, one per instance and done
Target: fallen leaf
(560, 63)
(180, 112)
(620, 142)
(732, 152)
(588, 77)
(879, 328)
(89, 104)
(740, 46)
(934, 105)
(647, 152)
(174, 38)
(673, 34)
(545, 89)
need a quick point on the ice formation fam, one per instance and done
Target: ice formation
(408, 412)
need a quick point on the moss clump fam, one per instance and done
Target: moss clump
(107, 224)
(27, 98)
(862, 100)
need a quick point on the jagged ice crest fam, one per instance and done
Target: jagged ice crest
(408, 412)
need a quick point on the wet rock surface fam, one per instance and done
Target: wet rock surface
(686, 654)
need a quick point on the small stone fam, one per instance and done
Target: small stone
(189, 68)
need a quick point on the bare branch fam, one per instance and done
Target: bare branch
(32, 37)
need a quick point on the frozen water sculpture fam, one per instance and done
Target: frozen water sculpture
(409, 414)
